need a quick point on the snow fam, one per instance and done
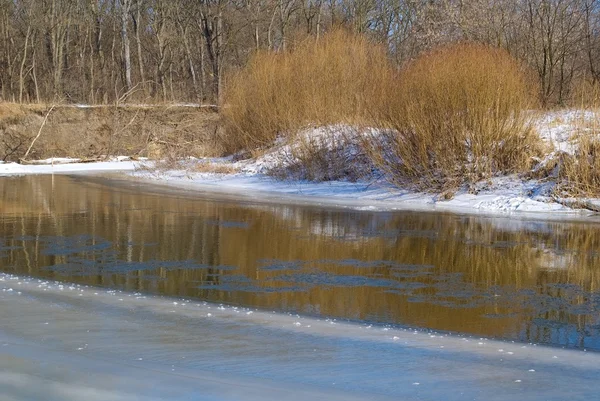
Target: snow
(57, 160)
(559, 128)
(511, 196)
(556, 128)
(77, 342)
(501, 195)
(67, 165)
(330, 138)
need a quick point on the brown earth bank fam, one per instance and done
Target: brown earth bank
(100, 131)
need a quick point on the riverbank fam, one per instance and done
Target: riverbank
(505, 196)
(253, 177)
(58, 336)
(43, 131)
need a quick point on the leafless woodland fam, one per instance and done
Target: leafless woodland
(98, 51)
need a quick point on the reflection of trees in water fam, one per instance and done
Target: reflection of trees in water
(469, 274)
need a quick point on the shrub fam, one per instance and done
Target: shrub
(340, 78)
(579, 167)
(579, 172)
(326, 154)
(458, 116)
(579, 175)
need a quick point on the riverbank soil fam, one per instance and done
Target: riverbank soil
(91, 132)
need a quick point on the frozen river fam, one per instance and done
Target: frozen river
(66, 342)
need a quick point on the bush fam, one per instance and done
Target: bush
(579, 173)
(458, 116)
(326, 154)
(341, 78)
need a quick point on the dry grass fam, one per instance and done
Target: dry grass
(14, 140)
(457, 117)
(579, 174)
(341, 78)
(214, 168)
(190, 166)
(579, 171)
(585, 94)
(157, 131)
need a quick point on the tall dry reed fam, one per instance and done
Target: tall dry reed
(340, 78)
(458, 116)
(579, 170)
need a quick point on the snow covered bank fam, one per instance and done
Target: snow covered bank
(67, 342)
(66, 165)
(504, 195)
(499, 195)
(249, 178)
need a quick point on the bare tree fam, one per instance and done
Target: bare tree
(210, 22)
(125, 9)
(180, 49)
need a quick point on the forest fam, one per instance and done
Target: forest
(156, 51)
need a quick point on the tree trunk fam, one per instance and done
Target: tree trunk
(138, 41)
(125, 7)
(23, 60)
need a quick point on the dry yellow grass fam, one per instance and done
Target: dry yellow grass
(585, 94)
(341, 78)
(458, 116)
(216, 168)
(156, 131)
(190, 166)
(579, 172)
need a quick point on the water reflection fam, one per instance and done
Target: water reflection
(531, 281)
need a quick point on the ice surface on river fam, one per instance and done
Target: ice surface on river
(68, 342)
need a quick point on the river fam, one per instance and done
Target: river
(113, 289)
(500, 277)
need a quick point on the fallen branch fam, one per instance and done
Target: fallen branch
(24, 158)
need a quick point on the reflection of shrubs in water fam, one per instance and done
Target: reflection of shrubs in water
(455, 269)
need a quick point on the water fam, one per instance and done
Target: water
(512, 279)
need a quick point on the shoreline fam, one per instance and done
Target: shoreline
(510, 196)
(508, 200)
(364, 196)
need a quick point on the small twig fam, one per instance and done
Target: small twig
(375, 179)
(11, 150)
(38, 134)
